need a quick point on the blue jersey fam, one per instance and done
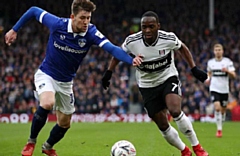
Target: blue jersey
(65, 49)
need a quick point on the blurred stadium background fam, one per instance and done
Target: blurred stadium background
(199, 24)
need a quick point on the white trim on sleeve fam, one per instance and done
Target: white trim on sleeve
(41, 16)
(103, 42)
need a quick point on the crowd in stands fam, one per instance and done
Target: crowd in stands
(117, 19)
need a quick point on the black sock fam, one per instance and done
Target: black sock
(56, 134)
(38, 121)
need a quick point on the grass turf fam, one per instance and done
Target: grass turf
(96, 139)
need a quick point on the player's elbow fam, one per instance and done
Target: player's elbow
(36, 11)
(234, 76)
(33, 8)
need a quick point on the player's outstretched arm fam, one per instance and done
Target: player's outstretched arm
(121, 55)
(186, 54)
(11, 35)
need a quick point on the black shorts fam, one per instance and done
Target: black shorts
(154, 98)
(222, 98)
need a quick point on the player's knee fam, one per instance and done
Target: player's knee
(47, 100)
(162, 123)
(48, 105)
(175, 113)
(217, 108)
(64, 121)
(64, 124)
(163, 127)
(217, 104)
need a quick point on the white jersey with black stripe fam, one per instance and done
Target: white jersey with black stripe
(158, 63)
(219, 80)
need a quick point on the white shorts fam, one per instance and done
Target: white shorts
(63, 91)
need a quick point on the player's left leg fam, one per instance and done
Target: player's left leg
(57, 133)
(173, 102)
(224, 102)
(46, 97)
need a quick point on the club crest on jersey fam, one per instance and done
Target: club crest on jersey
(41, 85)
(62, 37)
(161, 52)
(82, 42)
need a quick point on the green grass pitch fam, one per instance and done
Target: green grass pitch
(96, 139)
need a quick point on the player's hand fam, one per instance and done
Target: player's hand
(10, 37)
(199, 74)
(225, 69)
(138, 60)
(207, 81)
(106, 79)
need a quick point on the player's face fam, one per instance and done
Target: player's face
(80, 21)
(150, 27)
(218, 52)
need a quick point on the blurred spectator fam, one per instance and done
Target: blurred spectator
(135, 105)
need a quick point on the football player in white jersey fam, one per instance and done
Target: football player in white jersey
(219, 68)
(158, 82)
(68, 44)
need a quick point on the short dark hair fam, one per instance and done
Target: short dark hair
(218, 45)
(151, 14)
(79, 5)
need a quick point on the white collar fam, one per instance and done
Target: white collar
(71, 31)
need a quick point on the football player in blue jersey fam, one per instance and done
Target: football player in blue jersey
(68, 43)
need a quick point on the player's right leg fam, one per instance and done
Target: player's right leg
(38, 121)
(218, 118)
(47, 99)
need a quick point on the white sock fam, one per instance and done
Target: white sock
(223, 116)
(172, 137)
(218, 117)
(185, 126)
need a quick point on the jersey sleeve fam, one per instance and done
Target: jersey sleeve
(98, 38)
(208, 67)
(49, 20)
(125, 47)
(174, 42)
(169, 40)
(231, 66)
